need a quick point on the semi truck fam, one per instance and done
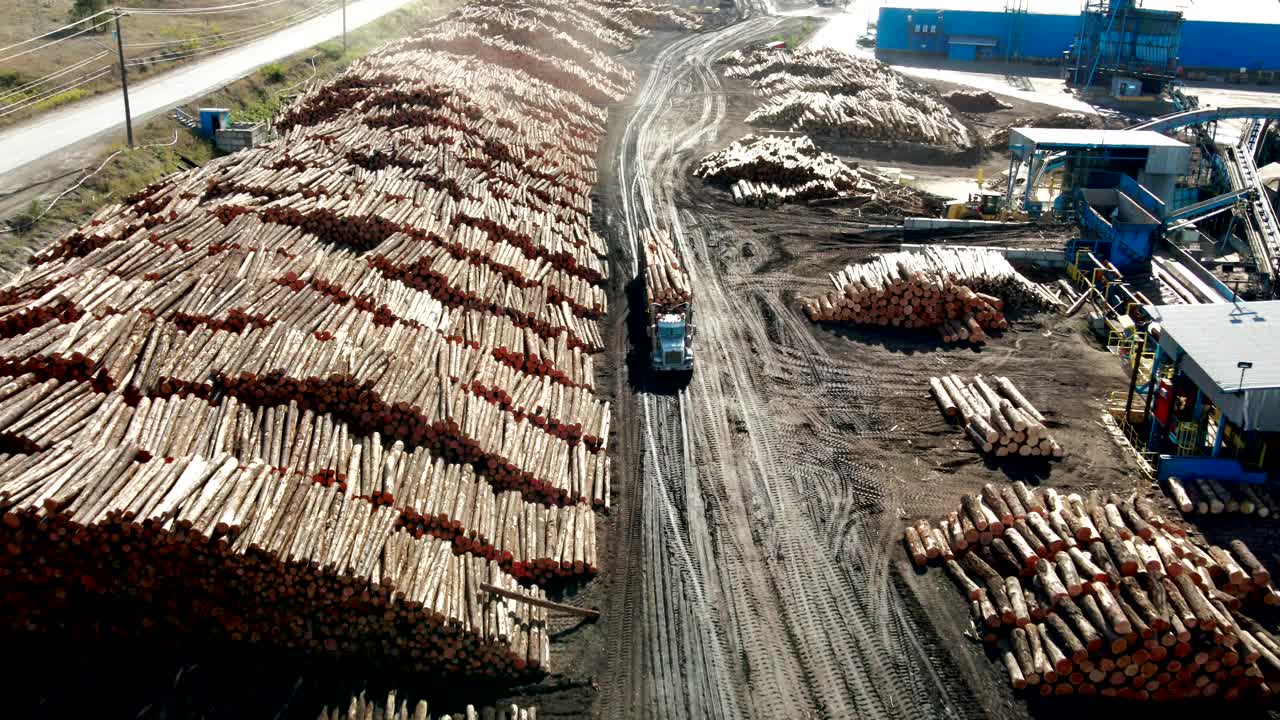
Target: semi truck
(669, 306)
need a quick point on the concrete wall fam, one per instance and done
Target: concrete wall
(1217, 45)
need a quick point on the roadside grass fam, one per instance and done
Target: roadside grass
(257, 97)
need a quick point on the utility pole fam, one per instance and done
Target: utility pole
(124, 81)
(344, 25)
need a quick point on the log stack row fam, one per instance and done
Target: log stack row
(313, 394)
(532, 541)
(1102, 595)
(234, 552)
(665, 278)
(961, 292)
(995, 415)
(764, 170)
(1203, 496)
(391, 708)
(828, 92)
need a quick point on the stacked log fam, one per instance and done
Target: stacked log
(666, 280)
(996, 416)
(1103, 595)
(391, 708)
(828, 92)
(770, 170)
(235, 545)
(1205, 496)
(961, 292)
(315, 393)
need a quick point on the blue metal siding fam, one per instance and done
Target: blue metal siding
(1204, 44)
(962, 52)
(1036, 36)
(1230, 45)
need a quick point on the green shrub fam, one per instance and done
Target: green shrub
(25, 221)
(274, 73)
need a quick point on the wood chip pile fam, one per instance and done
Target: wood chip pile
(665, 278)
(1201, 496)
(343, 376)
(827, 92)
(1104, 596)
(997, 417)
(960, 291)
(361, 708)
(975, 101)
(768, 170)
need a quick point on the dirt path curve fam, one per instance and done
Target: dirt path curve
(752, 555)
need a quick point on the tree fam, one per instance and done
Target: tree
(81, 9)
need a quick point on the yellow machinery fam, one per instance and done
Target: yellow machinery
(984, 205)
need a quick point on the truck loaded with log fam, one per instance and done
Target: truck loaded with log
(669, 305)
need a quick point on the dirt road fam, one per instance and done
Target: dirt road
(752, 543)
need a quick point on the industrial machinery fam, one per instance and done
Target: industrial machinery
(671, 337)
(1131, 50)
(984, 205)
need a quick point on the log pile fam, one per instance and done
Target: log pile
(827, 92)
(313, 393)
(995, 415)
(1102, 595)
(1203, 496)
(765, 170)
(666, 281)
(252, 557)
(391, 708)
(962, 292)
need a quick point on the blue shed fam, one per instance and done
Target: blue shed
(213, 120)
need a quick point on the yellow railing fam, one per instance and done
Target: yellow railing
(1137, 446)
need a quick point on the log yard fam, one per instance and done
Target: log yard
(646, 359)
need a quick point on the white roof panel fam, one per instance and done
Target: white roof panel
(1208, 342)
(1097, 138)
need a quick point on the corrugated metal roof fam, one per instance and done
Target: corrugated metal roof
(1229, 11)
(1217, 337)
(1097, 138)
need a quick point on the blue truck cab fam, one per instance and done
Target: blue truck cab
(671, 335)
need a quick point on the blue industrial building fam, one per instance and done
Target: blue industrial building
(1224, 35)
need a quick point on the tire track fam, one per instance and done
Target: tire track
(762, 581)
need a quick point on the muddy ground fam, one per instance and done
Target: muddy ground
(755, 565)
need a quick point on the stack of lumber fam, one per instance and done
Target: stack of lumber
(996, 416)
(960, 291)
(666, 281)
(361, 708)
(313, 393)
(827, 92)
(253, 557)
(768, 170)
(975, 101)
(1204, 496)
(1104, 596)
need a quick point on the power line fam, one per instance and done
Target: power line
(52, 76)
(55, 42)
(229, 33)
(219, 47)
(69, 85)
(238, 7)
(54, 32)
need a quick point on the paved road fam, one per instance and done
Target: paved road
(62, 128)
